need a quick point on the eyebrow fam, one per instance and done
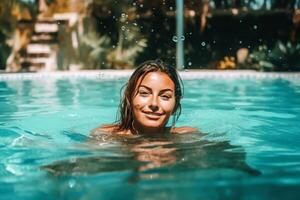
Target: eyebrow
(164, 90)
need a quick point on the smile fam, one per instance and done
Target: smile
(152, 115)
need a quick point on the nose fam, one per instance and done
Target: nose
(153, 104)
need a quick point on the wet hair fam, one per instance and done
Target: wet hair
(125, 117)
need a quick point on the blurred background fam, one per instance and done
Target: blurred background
(50, 35)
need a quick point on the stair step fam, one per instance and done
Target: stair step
(41, 52)
(41, 37)
(45, 27)
(38, 48)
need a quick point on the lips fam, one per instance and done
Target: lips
(152, 115)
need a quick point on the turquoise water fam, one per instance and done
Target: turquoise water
(249, 146)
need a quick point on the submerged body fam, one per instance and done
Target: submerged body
(139, 153)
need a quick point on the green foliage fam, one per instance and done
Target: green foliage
(10, 12)
(286, 56)
(7, 27)
(94, 49)
(259, 59)
(130, 43)
(282, 57)
(127, 41)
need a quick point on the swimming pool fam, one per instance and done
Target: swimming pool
(249, 148)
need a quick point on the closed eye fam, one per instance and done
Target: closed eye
(143, 93)
(165, 97)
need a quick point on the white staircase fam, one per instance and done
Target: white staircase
(41, 52)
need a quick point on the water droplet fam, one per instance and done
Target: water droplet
(72, 183)
(113, 46)
(171, 8)
(255, 27)
(190, 63)
(123, 15)
(135, 24)
(142, 5)
(123, 28)
(174, 39)
(190, 33)
(240, 41)
(241, 21)
(182, 38)
(203, 44)
(152, 30)
(134, 4)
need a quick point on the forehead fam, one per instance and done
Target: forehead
(156, 80)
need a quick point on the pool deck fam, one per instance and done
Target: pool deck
(112, 74)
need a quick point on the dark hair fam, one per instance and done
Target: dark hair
(124, 119)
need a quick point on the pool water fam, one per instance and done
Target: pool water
(248, 147)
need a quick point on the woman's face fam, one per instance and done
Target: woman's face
(154, 102)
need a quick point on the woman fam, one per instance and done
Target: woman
(152, 95)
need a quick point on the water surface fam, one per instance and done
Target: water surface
(248, 149)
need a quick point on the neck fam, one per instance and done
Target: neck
(148, 131)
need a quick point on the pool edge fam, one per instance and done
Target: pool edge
(112, 74)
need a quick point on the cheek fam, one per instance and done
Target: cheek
(139, 102)
(168, 106)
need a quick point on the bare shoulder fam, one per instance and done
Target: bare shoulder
(184, 129)
(106, 128)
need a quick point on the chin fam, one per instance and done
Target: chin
(152, 124)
